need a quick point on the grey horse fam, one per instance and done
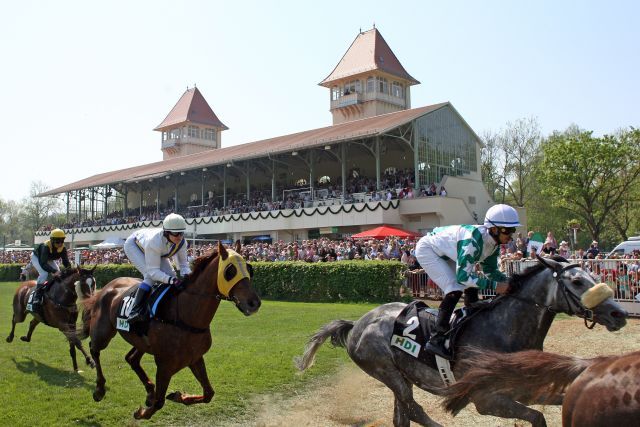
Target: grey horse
(518, 321)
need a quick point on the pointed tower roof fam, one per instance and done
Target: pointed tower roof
(191, 107)
(369, 51)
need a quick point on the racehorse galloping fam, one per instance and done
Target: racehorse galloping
(603, 391)
(59, 307)
(183, 337)
(518, 321)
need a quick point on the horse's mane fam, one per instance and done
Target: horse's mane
(67, 272)
(517, 280)
(200, 264)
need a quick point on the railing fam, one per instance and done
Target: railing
(345, 100)
(622, 276)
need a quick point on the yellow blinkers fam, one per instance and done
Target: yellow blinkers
(233, 262)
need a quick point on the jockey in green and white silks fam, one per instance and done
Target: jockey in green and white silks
(449, 256)
(149, 251)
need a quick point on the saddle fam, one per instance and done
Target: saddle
(417, 322)
(159, 293)
(37, 307)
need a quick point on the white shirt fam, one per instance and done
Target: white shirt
(155, 247)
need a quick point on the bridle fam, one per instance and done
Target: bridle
(574, 304)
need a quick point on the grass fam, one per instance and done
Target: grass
(249, 357)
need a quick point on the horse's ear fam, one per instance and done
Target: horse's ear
(238, 246)
(222, 251)
(550, 263)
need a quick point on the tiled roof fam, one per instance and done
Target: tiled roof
(368, 52)
(281, 144)
(191, 107)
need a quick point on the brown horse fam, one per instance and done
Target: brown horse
(179, 334)
(603, 391)
(59, 309)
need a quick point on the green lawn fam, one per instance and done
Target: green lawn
(250, 356)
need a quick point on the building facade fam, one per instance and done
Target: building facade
(333, 181)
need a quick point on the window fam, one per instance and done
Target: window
(352, 87)
(194, 131)
(210, 134)
(175, 133)
(336, 93)
(371, 86)
(396, 89)
(383, 85)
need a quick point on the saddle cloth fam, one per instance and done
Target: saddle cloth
(158, 294)
(413, 328)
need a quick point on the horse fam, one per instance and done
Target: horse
(518, 321)
(59, 309)
(179, 334)
(603, 391)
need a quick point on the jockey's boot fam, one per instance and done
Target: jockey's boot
(436, 344)
(139, 309)
(471, 297)
(38, 293)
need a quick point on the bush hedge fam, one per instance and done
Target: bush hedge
(349, 281)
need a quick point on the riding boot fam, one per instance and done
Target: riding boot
(471, 297)
(38, 294)
(139, 309)
(436, 344)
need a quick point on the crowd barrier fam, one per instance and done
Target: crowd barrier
(620, 274)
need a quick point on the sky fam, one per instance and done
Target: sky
(83, 83)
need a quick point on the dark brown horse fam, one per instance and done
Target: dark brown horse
(58, 308)
(603, 391)
(183, 337)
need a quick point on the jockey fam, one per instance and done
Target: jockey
(149, 251)
(43, 260)
(449, 256)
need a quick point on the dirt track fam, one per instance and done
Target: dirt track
(352, 398)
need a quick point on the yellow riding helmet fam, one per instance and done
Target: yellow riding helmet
(57, 234)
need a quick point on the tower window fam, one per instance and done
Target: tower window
(194, 131)
(383, 85)
(210, 134)
(371, 85)
(352, 87)
(336, 93)
(176, 133)
(396, 89)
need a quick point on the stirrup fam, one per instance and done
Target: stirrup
(436, 345)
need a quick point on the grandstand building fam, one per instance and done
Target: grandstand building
(375, 165)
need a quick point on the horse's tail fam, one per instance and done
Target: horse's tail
(523, 376)
(338, 330)
(89, 304)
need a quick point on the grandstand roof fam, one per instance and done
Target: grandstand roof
(282, 144)
(369, 51)
(191, 107)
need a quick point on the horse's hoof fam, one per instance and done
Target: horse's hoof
(9, 338)
(98, 395)
(25, 339)
(176, 396)
(142, 414)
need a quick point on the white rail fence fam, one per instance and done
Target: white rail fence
(620, 274)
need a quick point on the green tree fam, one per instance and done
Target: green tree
(37, 210)
(589, 176)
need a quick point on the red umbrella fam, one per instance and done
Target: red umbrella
(384, 231)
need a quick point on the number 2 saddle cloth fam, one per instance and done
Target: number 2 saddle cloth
(414, 326)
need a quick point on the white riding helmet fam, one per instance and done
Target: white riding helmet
(174, 222)
(501, 216)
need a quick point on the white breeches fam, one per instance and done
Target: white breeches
(441, 271)
(136, 257)
(42, 273)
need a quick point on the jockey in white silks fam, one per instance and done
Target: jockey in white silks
(449, 256)
(149, 251)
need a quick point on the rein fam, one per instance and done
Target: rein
(569, 297)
